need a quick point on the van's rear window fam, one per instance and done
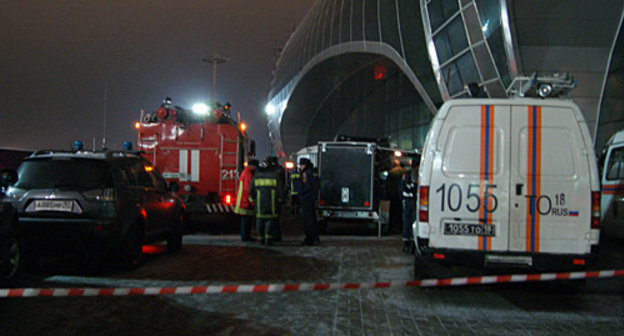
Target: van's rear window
(63, 173)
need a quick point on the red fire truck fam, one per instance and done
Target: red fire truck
(203, 150)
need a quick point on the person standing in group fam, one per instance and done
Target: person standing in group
(244, 207)
(307, 201)
(394, 179)
(407, 192)
(266, 191)
(294, 179)
(273, 164)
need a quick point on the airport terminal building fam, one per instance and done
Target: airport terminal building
(382, 68)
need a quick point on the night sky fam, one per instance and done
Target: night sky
(64, 63)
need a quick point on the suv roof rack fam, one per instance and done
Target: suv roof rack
(103, 154)
(120, 153)
(557, 85)
(41, 152)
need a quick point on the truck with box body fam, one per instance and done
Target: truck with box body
(353, 180)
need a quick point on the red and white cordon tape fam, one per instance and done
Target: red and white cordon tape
(276, 288)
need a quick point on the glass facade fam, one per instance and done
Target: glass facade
(611, 113)
(470, 42)
(325, 82)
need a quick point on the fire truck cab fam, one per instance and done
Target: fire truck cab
(203, 150)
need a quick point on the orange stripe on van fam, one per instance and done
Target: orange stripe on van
(534, 171)
(486, 166)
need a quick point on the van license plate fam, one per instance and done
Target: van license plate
(463, 229)
(50, 205)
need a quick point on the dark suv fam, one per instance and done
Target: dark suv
(10, 244)
(103, 203)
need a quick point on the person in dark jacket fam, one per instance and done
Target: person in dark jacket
(407, 192)
(308, 195)
(394, 179)
(265, 193)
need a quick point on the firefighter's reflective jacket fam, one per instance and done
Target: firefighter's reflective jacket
(265, 192)
(295, 183)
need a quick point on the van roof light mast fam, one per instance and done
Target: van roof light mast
(557, 85)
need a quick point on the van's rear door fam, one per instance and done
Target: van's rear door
(468, 196)
(550, 179)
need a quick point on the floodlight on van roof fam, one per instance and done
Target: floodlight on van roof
(544, 90)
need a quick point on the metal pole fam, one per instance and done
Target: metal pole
(105, 111)
(214, 79)
(214, 59)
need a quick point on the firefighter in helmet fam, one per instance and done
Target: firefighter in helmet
(266, 193)
(272, 163)
(244, 207)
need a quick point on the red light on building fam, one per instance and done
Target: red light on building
(379, 72)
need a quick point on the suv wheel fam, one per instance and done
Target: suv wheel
(11, 258)
(174, 239)
(133, 247)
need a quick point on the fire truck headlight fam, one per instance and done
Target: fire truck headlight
(200, 108)
(187, 188)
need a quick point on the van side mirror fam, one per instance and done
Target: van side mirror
(174, 186)
(8, 177)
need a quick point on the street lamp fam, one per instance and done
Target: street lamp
(214, 59)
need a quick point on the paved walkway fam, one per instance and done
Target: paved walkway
(556, 308)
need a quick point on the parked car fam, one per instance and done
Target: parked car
(101, 203)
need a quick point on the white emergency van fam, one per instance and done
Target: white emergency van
(612, 192)
(508, 182)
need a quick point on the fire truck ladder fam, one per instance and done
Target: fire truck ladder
(152, 140)
(223, 166)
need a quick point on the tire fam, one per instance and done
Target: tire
(11, 255)
(385, 228)
(421, 267)
(322, 225)
(132, 247)
(174, 239)
(30, 259)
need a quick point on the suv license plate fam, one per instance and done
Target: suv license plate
(53, 205)
(463, 229)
